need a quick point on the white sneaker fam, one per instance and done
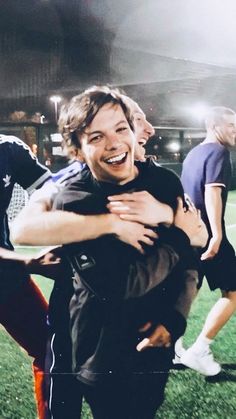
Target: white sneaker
(202, 362)
(177, 360)
(179, 351)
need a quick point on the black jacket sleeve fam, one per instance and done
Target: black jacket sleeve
(151, 270)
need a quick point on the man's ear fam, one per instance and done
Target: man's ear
(80, 156)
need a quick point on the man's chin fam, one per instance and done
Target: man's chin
(139, 157)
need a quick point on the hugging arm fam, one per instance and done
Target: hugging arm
(151, 270)
(39, 224)
(172, 246)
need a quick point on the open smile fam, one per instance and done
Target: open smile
(119, 159)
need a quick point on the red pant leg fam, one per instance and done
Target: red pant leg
(24, 316)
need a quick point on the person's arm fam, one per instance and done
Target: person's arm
(150, 271)
(173, 245)
(174, 321)
(142, 207)
(37, 225)
(28, 172)
(213, 203)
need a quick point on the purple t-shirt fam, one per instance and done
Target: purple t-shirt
(207, 163)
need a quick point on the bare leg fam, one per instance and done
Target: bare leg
(199, 356)
(219, 314)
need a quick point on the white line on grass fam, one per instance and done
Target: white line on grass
(231, 226)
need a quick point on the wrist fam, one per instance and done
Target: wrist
(110, 221)
(169, 215)
(217, 237)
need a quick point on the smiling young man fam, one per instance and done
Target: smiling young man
(206, 178)
(38, 219)
(108, 149)
(99, 124)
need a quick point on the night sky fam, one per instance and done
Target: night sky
(167, 54)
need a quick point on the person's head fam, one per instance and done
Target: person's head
(99, 124)
(142, 128)
(221, 125)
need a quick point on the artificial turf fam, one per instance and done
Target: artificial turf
(188, 394)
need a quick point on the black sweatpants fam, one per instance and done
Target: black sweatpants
(135, 395)
(63, 390)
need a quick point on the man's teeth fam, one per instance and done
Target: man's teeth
(116, 158)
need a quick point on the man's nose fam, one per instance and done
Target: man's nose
(149, 128)
(112, 142)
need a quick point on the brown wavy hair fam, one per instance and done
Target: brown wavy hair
(79, 112)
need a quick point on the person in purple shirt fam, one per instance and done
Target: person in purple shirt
(206, 178)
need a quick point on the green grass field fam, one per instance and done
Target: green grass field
(188, 394)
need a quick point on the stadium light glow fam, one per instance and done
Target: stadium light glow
(56, 100)
(199, 110)
(174, 147)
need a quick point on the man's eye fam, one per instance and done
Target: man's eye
(139, 118)
(95, 139)
(122, 129)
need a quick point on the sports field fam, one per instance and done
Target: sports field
(188, 394)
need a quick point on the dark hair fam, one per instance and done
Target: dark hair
(79, 112)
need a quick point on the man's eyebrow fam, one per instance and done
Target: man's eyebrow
(139, 113)
(93, 132)
(122, 121)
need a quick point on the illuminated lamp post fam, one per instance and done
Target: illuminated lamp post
(56, 100)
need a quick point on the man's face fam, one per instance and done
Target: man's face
(226, 130)
(107, 146)
(143, 130)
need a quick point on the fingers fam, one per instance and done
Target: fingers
(118, 207)
(145, 327)
(137, 246)
(149, 343)
(133, 196)
(144, 240)
(160, 337)
(121, 197)
(148, 237)
(145, 234)
(208, 255)
(188, 201)
(212, 250)
(147, 240)
(180, 204)
(145, 343)
(150, 233)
